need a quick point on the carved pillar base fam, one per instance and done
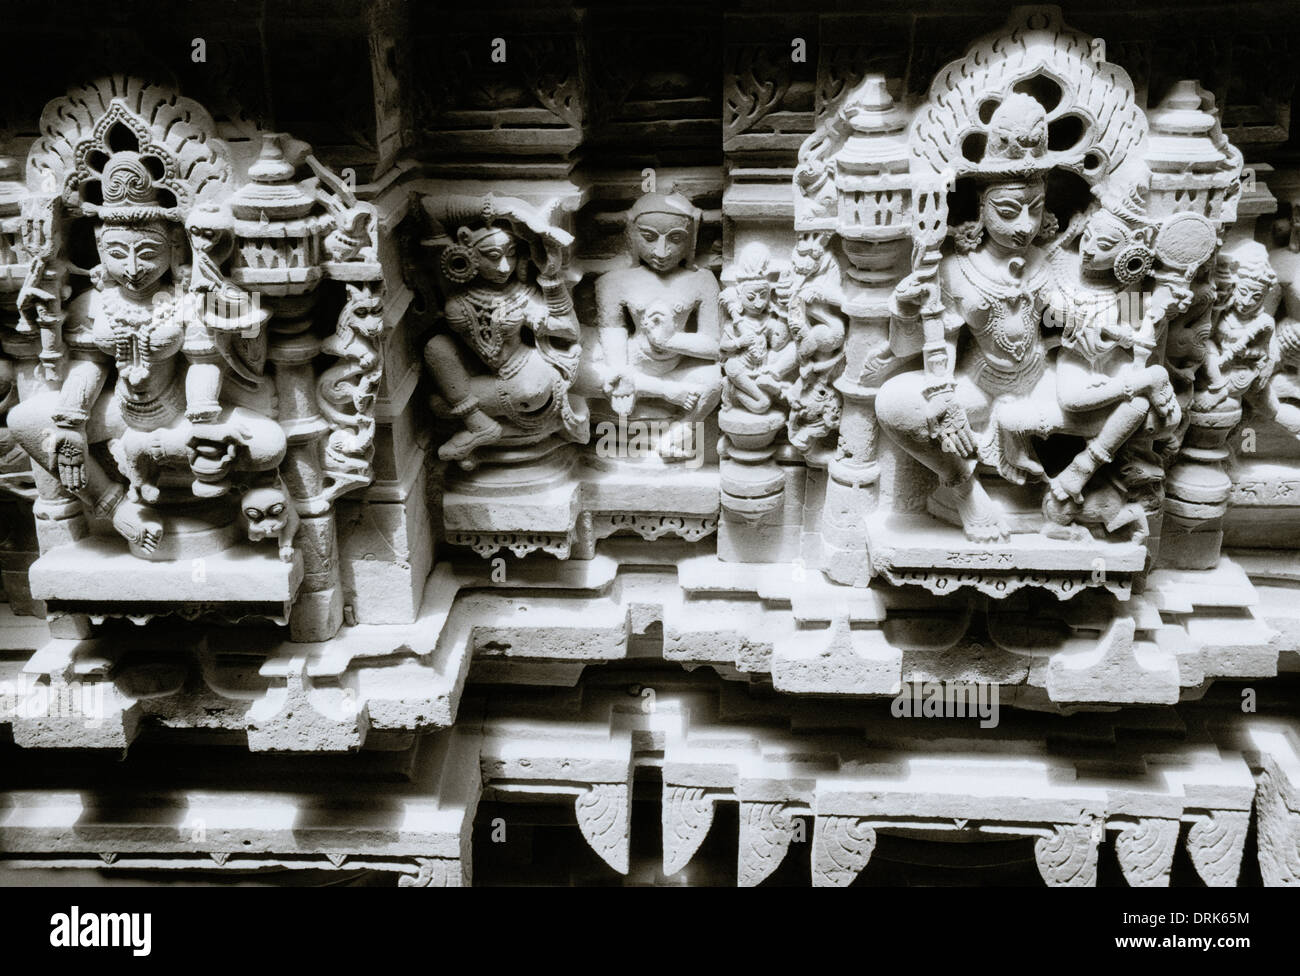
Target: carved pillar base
(1197, 490)
(751, 483)
(775, 536)
(386, 550)
(844, 534)
(318, 610)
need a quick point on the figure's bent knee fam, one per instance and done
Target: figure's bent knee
(29, 419)
(901, 404)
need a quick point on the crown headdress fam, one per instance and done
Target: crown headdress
(128, 152)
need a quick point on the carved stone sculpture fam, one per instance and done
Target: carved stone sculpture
(183, 377)
(508, 308)
(154, 344)
(1016, 364)
(759, 366)
(656, 344)
(505, 366)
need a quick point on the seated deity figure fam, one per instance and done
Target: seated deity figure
(1106, 390)
(170, 383)
(506, 368)
(657, 352)
(1238, 360)
(982, 318)
(758, 351)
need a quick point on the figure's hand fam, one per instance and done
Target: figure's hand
(915, 292)
(658, 327)
(70, 458)
(1164, 400)
(212, 448)
(286, 554)
(35, 304)
(684, 397)
(949, 425)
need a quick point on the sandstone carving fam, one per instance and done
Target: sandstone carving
(849, 431)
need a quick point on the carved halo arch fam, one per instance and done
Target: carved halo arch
(175, 137)
(1093, 119)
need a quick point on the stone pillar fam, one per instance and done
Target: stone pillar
(318, 609)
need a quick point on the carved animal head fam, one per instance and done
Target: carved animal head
(265, 511)
(364, 310)
(1018, 129)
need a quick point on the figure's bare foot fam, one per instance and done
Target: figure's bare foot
(130, 523)
(480, 429)
(981, 517)
(1069, 484)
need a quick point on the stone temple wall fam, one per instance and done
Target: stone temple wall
(660, 443)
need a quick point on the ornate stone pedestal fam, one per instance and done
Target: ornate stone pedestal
(521, 499)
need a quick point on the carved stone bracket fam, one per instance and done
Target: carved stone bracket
(842, 846)
(1067, 857)
(687, 813)
(766, 829)
(605, 817)
(1215, 844)
(1146, 852)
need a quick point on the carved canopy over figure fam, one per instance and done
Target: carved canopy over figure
(506, 368)
(160, 361)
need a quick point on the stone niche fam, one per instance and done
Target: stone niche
(197, 351)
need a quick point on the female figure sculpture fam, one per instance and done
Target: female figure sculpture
(506, 368)
(943, 414)
(1106, 390)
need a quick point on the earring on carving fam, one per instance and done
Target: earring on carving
(1133, 263)
(457, 263)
